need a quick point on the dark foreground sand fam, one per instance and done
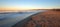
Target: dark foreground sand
(50, 18)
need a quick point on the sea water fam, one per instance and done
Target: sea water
(9, 19)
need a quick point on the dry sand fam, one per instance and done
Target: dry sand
(46, 19)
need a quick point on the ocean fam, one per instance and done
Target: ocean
(9, 19)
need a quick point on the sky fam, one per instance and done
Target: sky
(28, 4)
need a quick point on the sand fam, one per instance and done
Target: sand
(46, 19)
(49, 18)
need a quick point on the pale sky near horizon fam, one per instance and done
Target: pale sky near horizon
(29, 4)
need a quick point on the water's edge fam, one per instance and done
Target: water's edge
(22, 22)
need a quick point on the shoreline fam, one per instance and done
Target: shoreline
(24, 21)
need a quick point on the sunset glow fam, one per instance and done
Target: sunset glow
(28, 4)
